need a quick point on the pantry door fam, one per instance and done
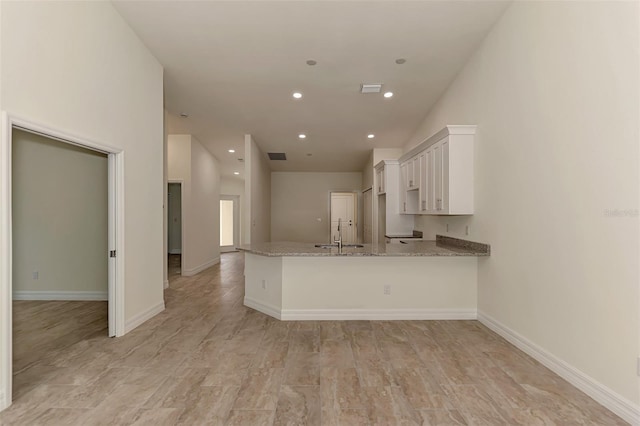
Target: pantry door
(344, 206)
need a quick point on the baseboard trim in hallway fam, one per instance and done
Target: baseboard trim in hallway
(140, 318)
(198, 269)
(60, 295)
(596, 390)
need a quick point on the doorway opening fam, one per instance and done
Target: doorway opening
(175, 231)
(344, 217)
(229, 223)
(31, 268)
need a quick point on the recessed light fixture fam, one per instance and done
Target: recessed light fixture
(297, 95)
(302, 136)
(184, 115)
(232, 151)
(236, 173)
(311, 62)
(371, 136)
(388, 94)
(400, 61)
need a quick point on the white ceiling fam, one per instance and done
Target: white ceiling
(233, 66)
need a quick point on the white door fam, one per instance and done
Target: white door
(344, 210)
(229, 223)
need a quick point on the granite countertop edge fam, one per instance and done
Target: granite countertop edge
(441, 247)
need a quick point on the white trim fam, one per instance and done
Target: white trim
(140, 318)
(198, 269)
(166, 284)
(377, 314)
(267, 309)
(618, 404)
(6, 341)
(60, 295)
(175, 251)
(7, 124)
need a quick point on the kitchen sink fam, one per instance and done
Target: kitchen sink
(328, 246)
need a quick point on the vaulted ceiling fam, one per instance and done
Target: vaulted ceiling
(233, 66)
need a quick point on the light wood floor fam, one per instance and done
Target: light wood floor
(208, 360)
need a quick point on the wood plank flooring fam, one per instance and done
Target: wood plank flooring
(208, 360)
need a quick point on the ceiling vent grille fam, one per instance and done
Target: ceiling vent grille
(370, 88)
(277, 156)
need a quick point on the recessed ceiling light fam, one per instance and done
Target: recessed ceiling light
(311, 62)
(297, 95)
(400, 61)
(232, 151)
(388, 94)
(302, 136)
(184, 115)
(236, 173)
(371, 136)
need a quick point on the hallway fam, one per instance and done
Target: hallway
(209, 360)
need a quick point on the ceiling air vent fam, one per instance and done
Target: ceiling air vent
(371, 88)
(277, 156)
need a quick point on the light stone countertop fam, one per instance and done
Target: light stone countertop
(443, 246)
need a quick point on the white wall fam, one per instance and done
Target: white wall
(367, 173)
(79, 69)
(188, 161)
(231, 186)
(257, 220)
(59, 218)
(554, 92)
(299, 199)
(203, 230)
(86, 73)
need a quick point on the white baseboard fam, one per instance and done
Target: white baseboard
(175, 251)
(138, 319)
(198, 269)
(359, 314)
(621, 406)
(266, 309)
(166, 284)
(377, 314)
(60, 295)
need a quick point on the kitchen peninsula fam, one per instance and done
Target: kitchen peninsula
(417, 280)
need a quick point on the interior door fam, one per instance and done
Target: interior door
(343, 208)
(229, 223)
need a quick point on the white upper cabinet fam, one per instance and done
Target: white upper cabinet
(445, 175)
(380, 180)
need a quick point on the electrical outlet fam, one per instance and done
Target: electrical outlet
(36, 275)
(264, 284)
(466, 230)
(387, 290)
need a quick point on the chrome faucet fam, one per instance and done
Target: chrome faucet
(339, 240)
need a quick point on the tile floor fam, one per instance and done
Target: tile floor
(208, 360)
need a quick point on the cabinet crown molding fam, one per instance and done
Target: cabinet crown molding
(449, 130)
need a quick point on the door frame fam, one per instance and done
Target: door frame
(236, 222)
(183, 237)
(116, 236)
(356, 212)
